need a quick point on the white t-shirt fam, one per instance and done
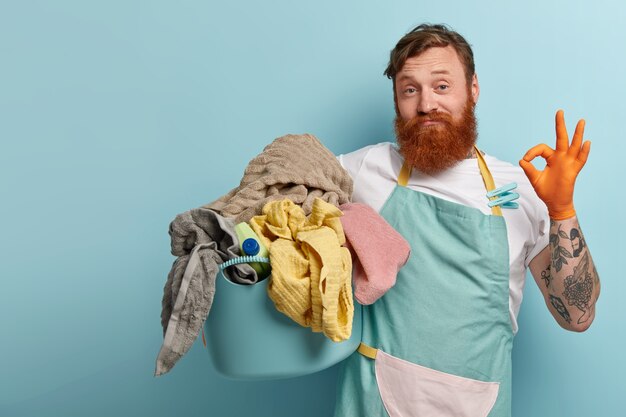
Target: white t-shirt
(375, 170)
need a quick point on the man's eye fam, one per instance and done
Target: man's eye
(442, 87)
(410, 90)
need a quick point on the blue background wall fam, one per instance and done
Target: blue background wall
(115, 116)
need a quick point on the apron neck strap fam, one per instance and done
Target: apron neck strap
(405, 174)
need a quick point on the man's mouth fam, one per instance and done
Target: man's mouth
(431, 122)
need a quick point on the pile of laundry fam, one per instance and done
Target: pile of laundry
(296, 198)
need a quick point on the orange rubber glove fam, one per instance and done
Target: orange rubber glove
(555, 184)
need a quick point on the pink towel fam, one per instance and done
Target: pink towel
(380, 251)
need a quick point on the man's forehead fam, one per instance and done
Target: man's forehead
(436, 61)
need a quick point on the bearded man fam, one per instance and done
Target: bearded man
(439, 342)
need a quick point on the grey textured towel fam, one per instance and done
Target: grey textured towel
(297, 167)
(202, 239)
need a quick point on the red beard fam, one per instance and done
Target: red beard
(434, 148)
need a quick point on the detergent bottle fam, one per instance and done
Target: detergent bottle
(251, 245)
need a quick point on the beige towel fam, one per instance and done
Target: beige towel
(297, 167)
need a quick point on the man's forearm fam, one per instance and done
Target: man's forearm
(571, 278)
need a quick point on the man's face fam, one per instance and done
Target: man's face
(435, 121)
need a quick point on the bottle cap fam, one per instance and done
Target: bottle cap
(250, 246)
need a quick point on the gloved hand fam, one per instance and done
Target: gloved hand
(555, 184)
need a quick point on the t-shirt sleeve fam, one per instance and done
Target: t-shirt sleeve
(541, 230)
(353, 161)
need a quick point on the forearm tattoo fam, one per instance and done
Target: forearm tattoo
(558, 305)
(579, 286)
(559, 253)
(578, 242)
(545, 275)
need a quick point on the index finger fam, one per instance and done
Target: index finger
(562, 140)
(542, 150)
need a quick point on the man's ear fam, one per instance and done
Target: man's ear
(474, 88)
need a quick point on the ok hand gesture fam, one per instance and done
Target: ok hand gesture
(555, 184)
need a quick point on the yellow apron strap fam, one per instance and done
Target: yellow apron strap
(367, 351)
(405, 174)
(488, 180)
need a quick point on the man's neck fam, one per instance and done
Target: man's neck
(471, 154)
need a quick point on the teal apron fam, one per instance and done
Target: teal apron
(439, 342)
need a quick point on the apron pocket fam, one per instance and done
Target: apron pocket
(411, 390)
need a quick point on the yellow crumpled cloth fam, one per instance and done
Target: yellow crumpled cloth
(311, 278)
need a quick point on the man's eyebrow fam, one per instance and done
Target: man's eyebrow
(436, 72)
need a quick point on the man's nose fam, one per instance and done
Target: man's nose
(427, 102)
